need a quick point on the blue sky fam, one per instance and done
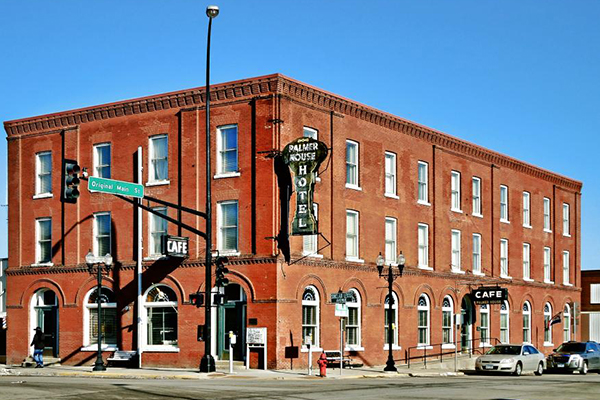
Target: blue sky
(518, 77)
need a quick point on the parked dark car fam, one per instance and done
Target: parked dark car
(575, 356)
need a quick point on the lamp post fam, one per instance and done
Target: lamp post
(207, 364)
(92, 261)
(391, 275)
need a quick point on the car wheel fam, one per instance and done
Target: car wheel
(540, 369)
(584, 368)
(518, 369)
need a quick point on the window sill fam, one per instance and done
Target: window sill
(354, 348)
(227, 175)
(424, 347)
(528, 279)
(105, 347)
(485, 345)
(392, 196)
(425, 268)
(456, 210)
(356, 260)
(547, 230)
(43, 196)
(457, 271)
(161, 349)
(353, 187)
(156, 257)
(548, 344)
(528, 226)
(424, 203)
(566, 235)
(304, 349)
(505, 221)
(548, 282)
(394, 347)
(477, 215)
(43, 264)
(567, 284)
(448, 346)
(476, 273)
(229, 253)
(158, 183)
(312, 255)
(506, 277)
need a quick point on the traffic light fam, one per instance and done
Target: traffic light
(220, 272)
(197, 299)
(70, 191)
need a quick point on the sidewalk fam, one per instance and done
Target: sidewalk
(176, 373)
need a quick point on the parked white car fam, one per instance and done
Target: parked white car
(512, 358)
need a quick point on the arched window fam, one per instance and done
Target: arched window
(353, 323)
(109, 330)
(484, 327)
(547, 327)
(394, 319)
(423, 320)
(161, 316)
(526, 322)
(447, 313)
(504, 322)
(567, 323)
(310, 315)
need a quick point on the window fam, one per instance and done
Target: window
(310, 132)
(595, 293)
(504, 322)
(476, 196)
(423, 245)
(352, 164)
(390, 174)
(455, 191)
(526, 322)
(310, 316)
(484, 327)
(504, 258)
(102, 234)
(158, 229)
(547, 327)
(353, 321)
(526, 210)
(102, 157)
(108, 305)
(161, 316)
(567, 323)
(566, 268)
(310, 242)
(390, 240)
(394, 319)
(455, 250)
(547, 214)
(526, 262)
(477, 253)
(227, 145)
(43, 167)
(503, 203)
(566, 227)
(351, 234)
(423, 178)
(159, 160)
(547, 277)
(423, 320)
(227, 226)
(447, 313)
(43, 232)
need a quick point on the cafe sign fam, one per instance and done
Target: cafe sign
(304, 156)
(489, 295)
(176, 246)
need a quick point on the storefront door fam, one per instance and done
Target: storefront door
(45, 312)
(232, 318)
(466, 329)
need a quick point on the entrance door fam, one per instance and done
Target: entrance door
(232, 318)
(45, 311)
(468, 318)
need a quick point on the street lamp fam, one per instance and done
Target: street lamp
(207, 364)
(92, 261)
(390, 276)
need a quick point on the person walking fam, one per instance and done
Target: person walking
(38, 347)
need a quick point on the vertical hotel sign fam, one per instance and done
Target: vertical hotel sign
(303, 156)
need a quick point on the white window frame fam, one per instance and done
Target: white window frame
(39, 175)
(547, 215)
(527, 262)
(97, 238)
(424, 307)
(151, 239)
(504, 267)
(351, 304)
(548, 342)
(448, 309)
(477, 254)
(353, 176)
(455, 203)
(167, 348)
(566, 220)
(386, 306)
(310, 243)
(504, 216)
(526, 311)
(505, 330)
(484, 325)
(566, 323)
(455, 253)
(353, 240)
(547, 265)
(476, 187)
(221, 152)
(316, 302)
(97, 166)
(390, 181)
(423, 183)
(566, 268)
(526, 209)
(221, 228)
(88, 345)
(152, 179)
(594, 293)
(310, 132)
(391, 243)
(39, 240)
(423, 245)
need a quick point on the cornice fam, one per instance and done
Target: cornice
(278, 84)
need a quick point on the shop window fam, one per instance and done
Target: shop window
(526, 322)
(547, 327)
(353, 323)
(161, 317)
(423, 320)
(447, 326)
(567, 323)
(310, 316)
(504, 322)
(109, 330)
(484, 327)
(394, 320)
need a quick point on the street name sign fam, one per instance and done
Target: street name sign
(341, 297)
(112, 186)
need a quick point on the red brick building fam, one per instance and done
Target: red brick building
(590, 305)
(463, 216)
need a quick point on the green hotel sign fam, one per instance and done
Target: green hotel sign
(104, 185)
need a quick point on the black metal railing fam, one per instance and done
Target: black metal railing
(469, 347)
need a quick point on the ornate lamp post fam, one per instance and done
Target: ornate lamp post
(391, 275)
(92, 261)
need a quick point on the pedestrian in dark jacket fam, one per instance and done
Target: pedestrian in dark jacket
(38, 347)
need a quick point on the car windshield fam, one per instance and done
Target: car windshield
(512, 350)
(571, 348)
